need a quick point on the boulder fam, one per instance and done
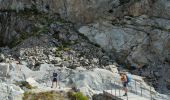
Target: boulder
(58, 59)
(112, 37)
(2, 57)
(112, 68)
(10, 92)
(4, 70)
(32, 82)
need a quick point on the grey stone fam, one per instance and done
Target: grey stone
(10, 92)
(4, 70)
(73, 37)
(2, 57)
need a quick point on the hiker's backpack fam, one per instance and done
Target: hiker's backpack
(129, 77)
(55, 74)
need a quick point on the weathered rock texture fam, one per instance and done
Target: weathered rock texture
(137, 31)
(77, 11)
(141, 42)
(88, 10)
(87, 81)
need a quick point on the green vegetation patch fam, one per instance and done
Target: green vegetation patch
(24, 84)
(43, 96)
(63, 47)
(77, 96)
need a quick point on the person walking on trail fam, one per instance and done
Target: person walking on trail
(124, 80)
(54, 80)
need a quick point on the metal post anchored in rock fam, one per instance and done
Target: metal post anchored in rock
(111, 87)
(119, 91)
(150, 91)
(115, 87)
(135, 87)
(141, 88)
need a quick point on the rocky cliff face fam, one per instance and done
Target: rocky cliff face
(87, 10)
(138, 42)
(136, 33)
(77, 11)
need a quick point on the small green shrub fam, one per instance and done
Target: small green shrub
(26, 95)
(77, 96)
(61, 48)
(66, 49)
(57, 54)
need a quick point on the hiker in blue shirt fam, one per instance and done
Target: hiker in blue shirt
(125, 80)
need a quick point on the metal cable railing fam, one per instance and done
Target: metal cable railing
(138, 90)
(142, 88)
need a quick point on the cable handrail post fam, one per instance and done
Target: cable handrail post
(130, 86)
(150, 91)
(119, 91)
(141, 88)
(115, 87)
(111, 87)
(135, 87)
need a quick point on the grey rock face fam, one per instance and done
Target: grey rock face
(75, 10)
(161, 8)
(83, 10)
(4, 70)
(10, 92)
(2, 57)
(139, 42)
